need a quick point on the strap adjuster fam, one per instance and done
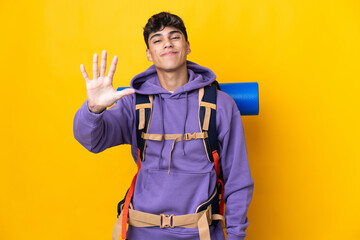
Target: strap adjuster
(189, 136)
(166, 221)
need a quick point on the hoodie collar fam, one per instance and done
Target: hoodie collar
(148, 83)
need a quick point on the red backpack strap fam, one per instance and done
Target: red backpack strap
(128, 200)
(219, 181)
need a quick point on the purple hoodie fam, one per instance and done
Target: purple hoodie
(192, 177)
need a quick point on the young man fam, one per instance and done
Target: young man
(176, 176)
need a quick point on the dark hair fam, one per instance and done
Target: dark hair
(161, 20)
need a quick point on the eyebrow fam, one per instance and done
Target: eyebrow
(159, 34)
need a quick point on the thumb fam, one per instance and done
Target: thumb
(124, 92)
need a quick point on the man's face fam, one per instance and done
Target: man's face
(168, 49)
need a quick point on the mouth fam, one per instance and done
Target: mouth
(168, 53)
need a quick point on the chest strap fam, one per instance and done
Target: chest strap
(176, 137)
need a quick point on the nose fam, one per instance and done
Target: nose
(168, 43)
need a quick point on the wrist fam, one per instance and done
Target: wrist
(95, 109)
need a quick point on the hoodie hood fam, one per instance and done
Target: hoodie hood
(148, 83)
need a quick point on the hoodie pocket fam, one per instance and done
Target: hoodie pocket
(175, 193)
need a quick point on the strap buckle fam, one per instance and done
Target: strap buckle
(189, 136)
(166, 221)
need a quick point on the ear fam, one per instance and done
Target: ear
(188, 50)
(148, 54)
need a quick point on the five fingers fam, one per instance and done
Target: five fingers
(102, 67)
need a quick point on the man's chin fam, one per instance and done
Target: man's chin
(171, 67)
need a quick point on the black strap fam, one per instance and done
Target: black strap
(211, 142)
(140, 99)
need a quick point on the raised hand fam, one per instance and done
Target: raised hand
(100, 91)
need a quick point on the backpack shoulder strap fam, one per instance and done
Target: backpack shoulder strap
(143, 109)
(207, 118)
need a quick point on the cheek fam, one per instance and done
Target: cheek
(184, 53)
(153, 55)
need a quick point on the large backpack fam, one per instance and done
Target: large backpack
(207, 120)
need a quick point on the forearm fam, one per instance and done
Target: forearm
(97, 132)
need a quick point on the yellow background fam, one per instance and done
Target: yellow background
(303, 147)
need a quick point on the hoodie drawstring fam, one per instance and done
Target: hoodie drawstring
(163, 130)
(186, 114)
(172, 148)
(162, 127)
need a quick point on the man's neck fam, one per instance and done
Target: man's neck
(171, 81)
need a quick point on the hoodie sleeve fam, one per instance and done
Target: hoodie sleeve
(238, 182)
(113, 126)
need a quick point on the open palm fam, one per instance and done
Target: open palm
(100, 91)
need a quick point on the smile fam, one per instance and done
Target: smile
(168, 54)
